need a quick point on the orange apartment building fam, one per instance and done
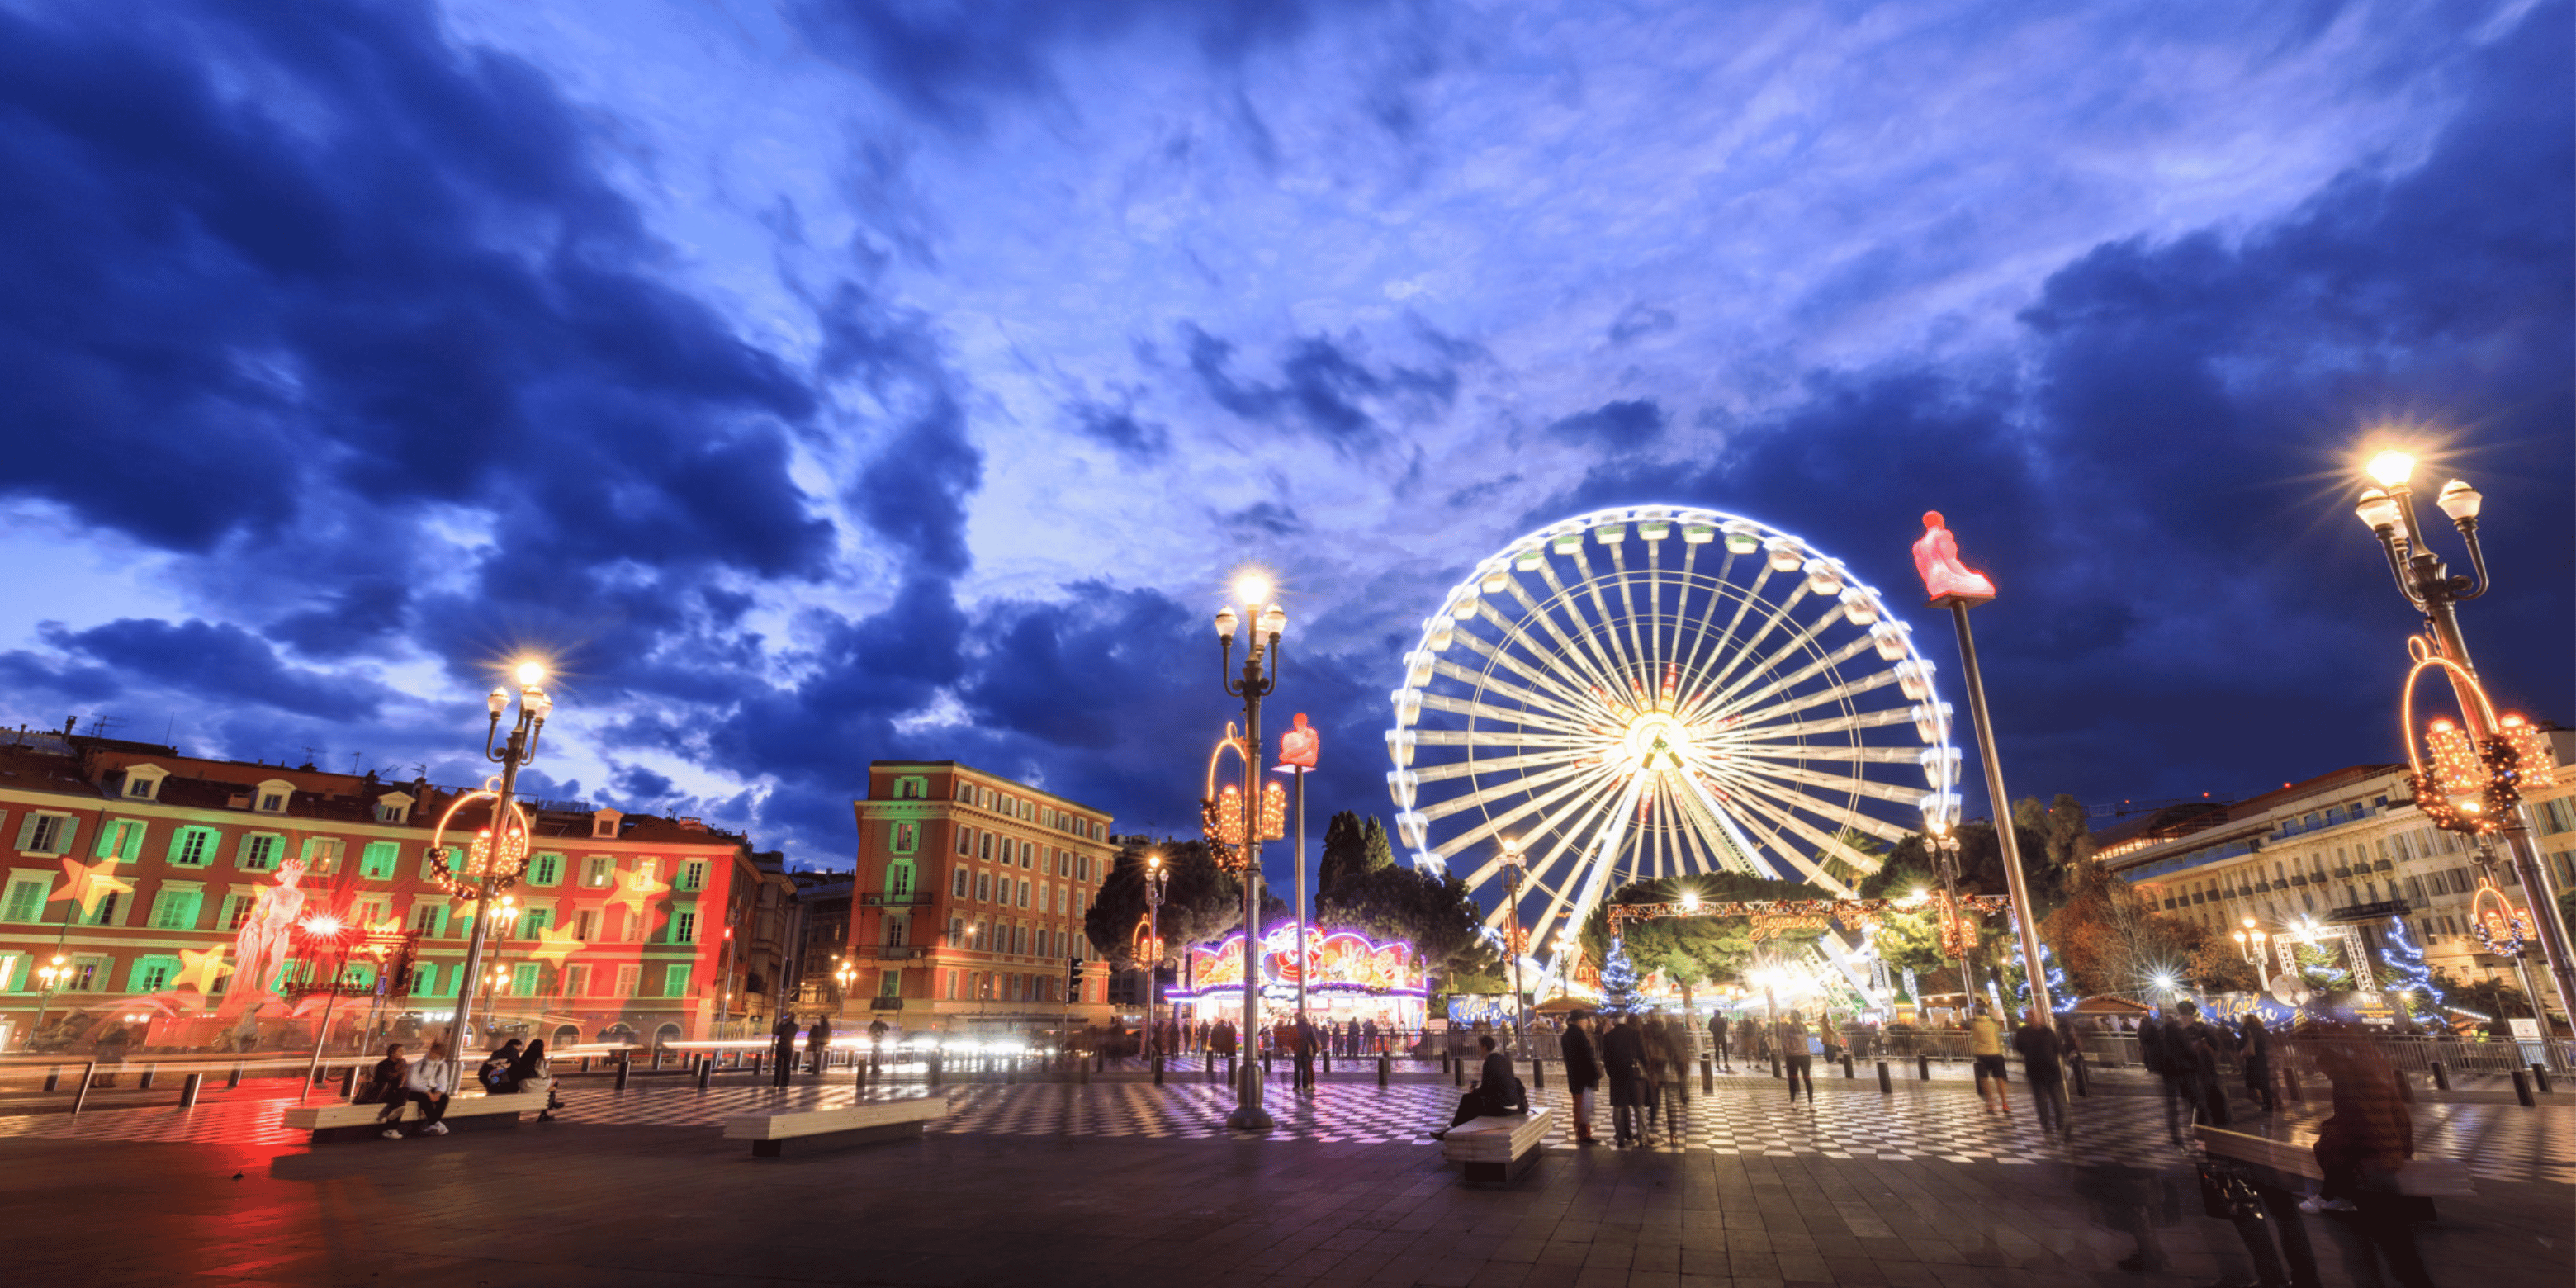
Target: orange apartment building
(130, 870)
(971, 890)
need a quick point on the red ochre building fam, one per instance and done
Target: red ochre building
(970, 899)
(134, 865)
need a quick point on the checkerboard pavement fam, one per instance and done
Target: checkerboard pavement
(1748, 1116)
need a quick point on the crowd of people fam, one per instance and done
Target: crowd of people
(428, 1084)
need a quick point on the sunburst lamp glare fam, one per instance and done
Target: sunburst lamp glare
(1252, 590)
(2391, 468)
(531, 673)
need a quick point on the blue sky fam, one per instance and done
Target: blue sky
(827, 381)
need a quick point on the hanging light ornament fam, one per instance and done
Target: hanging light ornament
(2471, 786)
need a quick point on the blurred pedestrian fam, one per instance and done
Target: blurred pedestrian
(2258, 1061)
(1799, 1063)
(1582, 1074)
(2041, 1052)
(1623, 1062)
(1717, 1040)
(1986, 1051)
(782, 1050)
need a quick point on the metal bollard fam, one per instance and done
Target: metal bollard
(1847, 1065)
(2540, 1076)
(1458, 1073)
(2522, 1089)
(1707, 1076)
(88, 1075)
(1885, 1085)
(54, 1077)
(1328, 1061)
(349, 1082)
(144, 1083)
(657, 1057)
(1158, 1068)
(1082, 1072)
(935, 1060)
(2441, 1077)
(2083, 1087)
(230, 1083)
(1381, 1068)
(1538, 1073)
(706, 1071)
(1230, 1079)
(188, 1090)
(1922, 1067)
(2290, 1084)
(2405, 1087)
(625, 1065)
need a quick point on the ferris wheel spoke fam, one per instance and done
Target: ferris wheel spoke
(1753, 669)
(1478, 709)
(1754, 718)
(1820, 751)
(1834, 724)
(1720, 587)
(1479, 796)
(1580, 656)
(1560, 884)
(1788, 821)
(1500, 764)
(1504, 688)
(1841, 783)
(1599, 632)
(1796, 807)
(1508, 653)
(1628, 614)
(1735, 851)
(1743, 648)
(1498, 738)
(1592, 794)
(1819, 664)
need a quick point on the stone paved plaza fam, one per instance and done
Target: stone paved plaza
(1128, 1184)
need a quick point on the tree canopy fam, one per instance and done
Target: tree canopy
(1201, 903)
(1353, 845)
(1434, 914)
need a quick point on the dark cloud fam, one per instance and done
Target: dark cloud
(1622, 426)
(1119, 427)
(1267, 518)
(217, 663)
(1638, 321)
(1323, 389)
(948, 61)
(2164, 498)
(635, 782)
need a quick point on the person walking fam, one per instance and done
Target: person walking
(1306, 1039)
(783, 1050)
(1795, 1059)
(2258, 1062)
(1659, 1066)
(2163, 1061)
(2042, 1065)
(1717, 1040)
(428, 1086)
(1986, 1052)
(1582, 1075)
(1676, 1089)
(2194, 1045)
(1623, 1061)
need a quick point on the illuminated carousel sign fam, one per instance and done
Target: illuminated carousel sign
(1341, 961)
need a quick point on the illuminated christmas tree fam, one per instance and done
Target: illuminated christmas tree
(1618, 981)
(2060, 991)
(2405, 962)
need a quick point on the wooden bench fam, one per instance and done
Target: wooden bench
(1496, 1150)
(869, 1120)
(344, 1121)
(2293, 1158)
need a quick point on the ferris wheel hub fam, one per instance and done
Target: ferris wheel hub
(1656, 740)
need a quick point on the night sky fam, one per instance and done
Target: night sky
(824, 381)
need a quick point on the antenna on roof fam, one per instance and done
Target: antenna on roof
(102, 726)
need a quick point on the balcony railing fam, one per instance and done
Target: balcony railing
(885, 1003)
(895, 899)
(889, 952)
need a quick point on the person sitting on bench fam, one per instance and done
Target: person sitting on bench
(1497, 1091)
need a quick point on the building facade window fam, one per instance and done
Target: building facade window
(899, 877)
(545, 869)
(904, 838)
(259, 851)
(46, 833)
(598, 871)
(376, 862)
(174, 906)
(675, 980)
(684, 927)
(25, 900)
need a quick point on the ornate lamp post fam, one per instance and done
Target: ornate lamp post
(499, 852)
(1514, 869)
(2250, 941)
(1256, 682)
(1156, 877)
(2388, 510)
(845, 975)
(53, 975)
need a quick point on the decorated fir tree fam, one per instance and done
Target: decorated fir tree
(1618, 981)
(2405, 961)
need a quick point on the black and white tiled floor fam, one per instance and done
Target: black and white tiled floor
(1751, 1116)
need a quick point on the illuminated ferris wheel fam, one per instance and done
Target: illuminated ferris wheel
(1649, 692)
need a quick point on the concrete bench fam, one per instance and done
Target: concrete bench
(869, 1120)
(464, 1113)
(1498, 1149)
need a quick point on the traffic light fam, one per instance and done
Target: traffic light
(1073, 979)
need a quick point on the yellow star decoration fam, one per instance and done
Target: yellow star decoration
(202, 969)
(87, 883)
(638, 889)
(557, 943)
(377, 941)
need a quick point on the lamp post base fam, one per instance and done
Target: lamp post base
(1250, 1118)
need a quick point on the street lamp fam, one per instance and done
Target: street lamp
(1255, 682)
(847, 974)
(1514, 868)
(2250, 941)
(2388, 510)
(499, 852)
(1156, 876)
(53, 975)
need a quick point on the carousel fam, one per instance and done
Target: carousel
(1347, 977)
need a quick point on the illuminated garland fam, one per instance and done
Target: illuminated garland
(1771, 917)
(489, 868)
(2500, 928)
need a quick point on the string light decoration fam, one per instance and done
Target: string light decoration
(1221, 809)
(489, 867)
(2501, 928)
(1770, 917)
(2406, 963)
(2472, 786)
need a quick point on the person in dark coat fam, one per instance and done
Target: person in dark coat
(1717, 1039)
(1582, 1075)
(2258, 1061)
(818, 1040)
(1623, 1062)
(1497, 1090)
(783, 1047)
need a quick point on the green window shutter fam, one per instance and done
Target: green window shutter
(675, 981)
(376, 862)
(523, 979)
(176, 909)
(151, 974)
(26, 901)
